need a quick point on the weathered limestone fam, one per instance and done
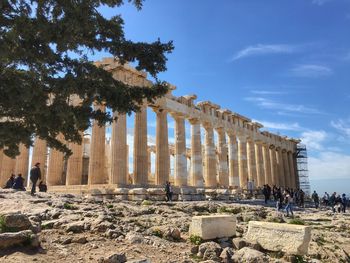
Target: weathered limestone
(162, 148)
(7, 168)
(180, 176)
(210, 158)
(140, 147)
(291, 239)
(273, 162)
(75, 164)
(223, 178)
(286, 171)
(267, 164)
(259, 164)
(251, 162)
(196, 154)
(233, 160)
(97, 173)
(292, 170)
(242, 165)
(55, 168)
(119, 157)
(213, 226)
(22, 161)
(280, 167)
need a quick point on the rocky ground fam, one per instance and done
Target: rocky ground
(72, 228)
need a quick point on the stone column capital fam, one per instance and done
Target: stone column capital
(194, 121)
(207, 125)
(272, 146)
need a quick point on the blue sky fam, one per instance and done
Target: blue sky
(283, 63)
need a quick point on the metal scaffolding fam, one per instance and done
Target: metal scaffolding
(302, 169)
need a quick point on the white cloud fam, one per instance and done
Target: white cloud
(267, 92)
(281, 126)
(329, 165)
(320, 2)
(311, 71)
(273, 105)
(343, 126)
(261, 49)
(314, 139)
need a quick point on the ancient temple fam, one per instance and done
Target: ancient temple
(242, 157)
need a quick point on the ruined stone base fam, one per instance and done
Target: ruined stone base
(153, 193)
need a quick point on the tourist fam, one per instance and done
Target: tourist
(35, 175)
(332, 199)
(326, 199)
(265, 192)
(19, 183)
(168, 191)
(268, 192)
(10, 182)
(338, 204)
(344, 202)
(289, 202)
(301, 198)
(316, 199)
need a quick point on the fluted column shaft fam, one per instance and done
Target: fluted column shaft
(223, 165)
(233, 161)
(75, 164)
(292, 170)
(97, 173)
(119, 150)
(242, 162)
(162, 148)
(210, 158)
(180, 175)
(259, 164)
(273, 166)
(196, 155)
(280, 167)
(251, 161)
(39, 156)
(286, 169)
(140, 165)
(267, 164)
(55, 167)
(22, 161)
(7, 168)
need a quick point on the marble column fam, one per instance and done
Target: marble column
(233, 161)
(8, 166)
(55, 167)
(140, 165)
(273, 162)
(210, 157)
(40, 156)
(242, 162)
(97, 173)
(180, 175)
(119, 151)
(223, 178)
(259, 165)
(149, 158)
(196, 154)
(286, 168)
(251, 162)
(75, 163)
(267, 164)
(22, 161)
(162, 148)
(280, 167)
(292, 170)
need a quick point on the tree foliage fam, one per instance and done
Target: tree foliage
(44, 48)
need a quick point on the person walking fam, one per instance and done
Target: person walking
(168, 191)
(35, 175)
(344, 202)
(289, 206)
(316, 199)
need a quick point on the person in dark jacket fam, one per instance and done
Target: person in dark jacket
(35, 175)
(42, 187)
(19, 183)
(10, 182)
(168, 191)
